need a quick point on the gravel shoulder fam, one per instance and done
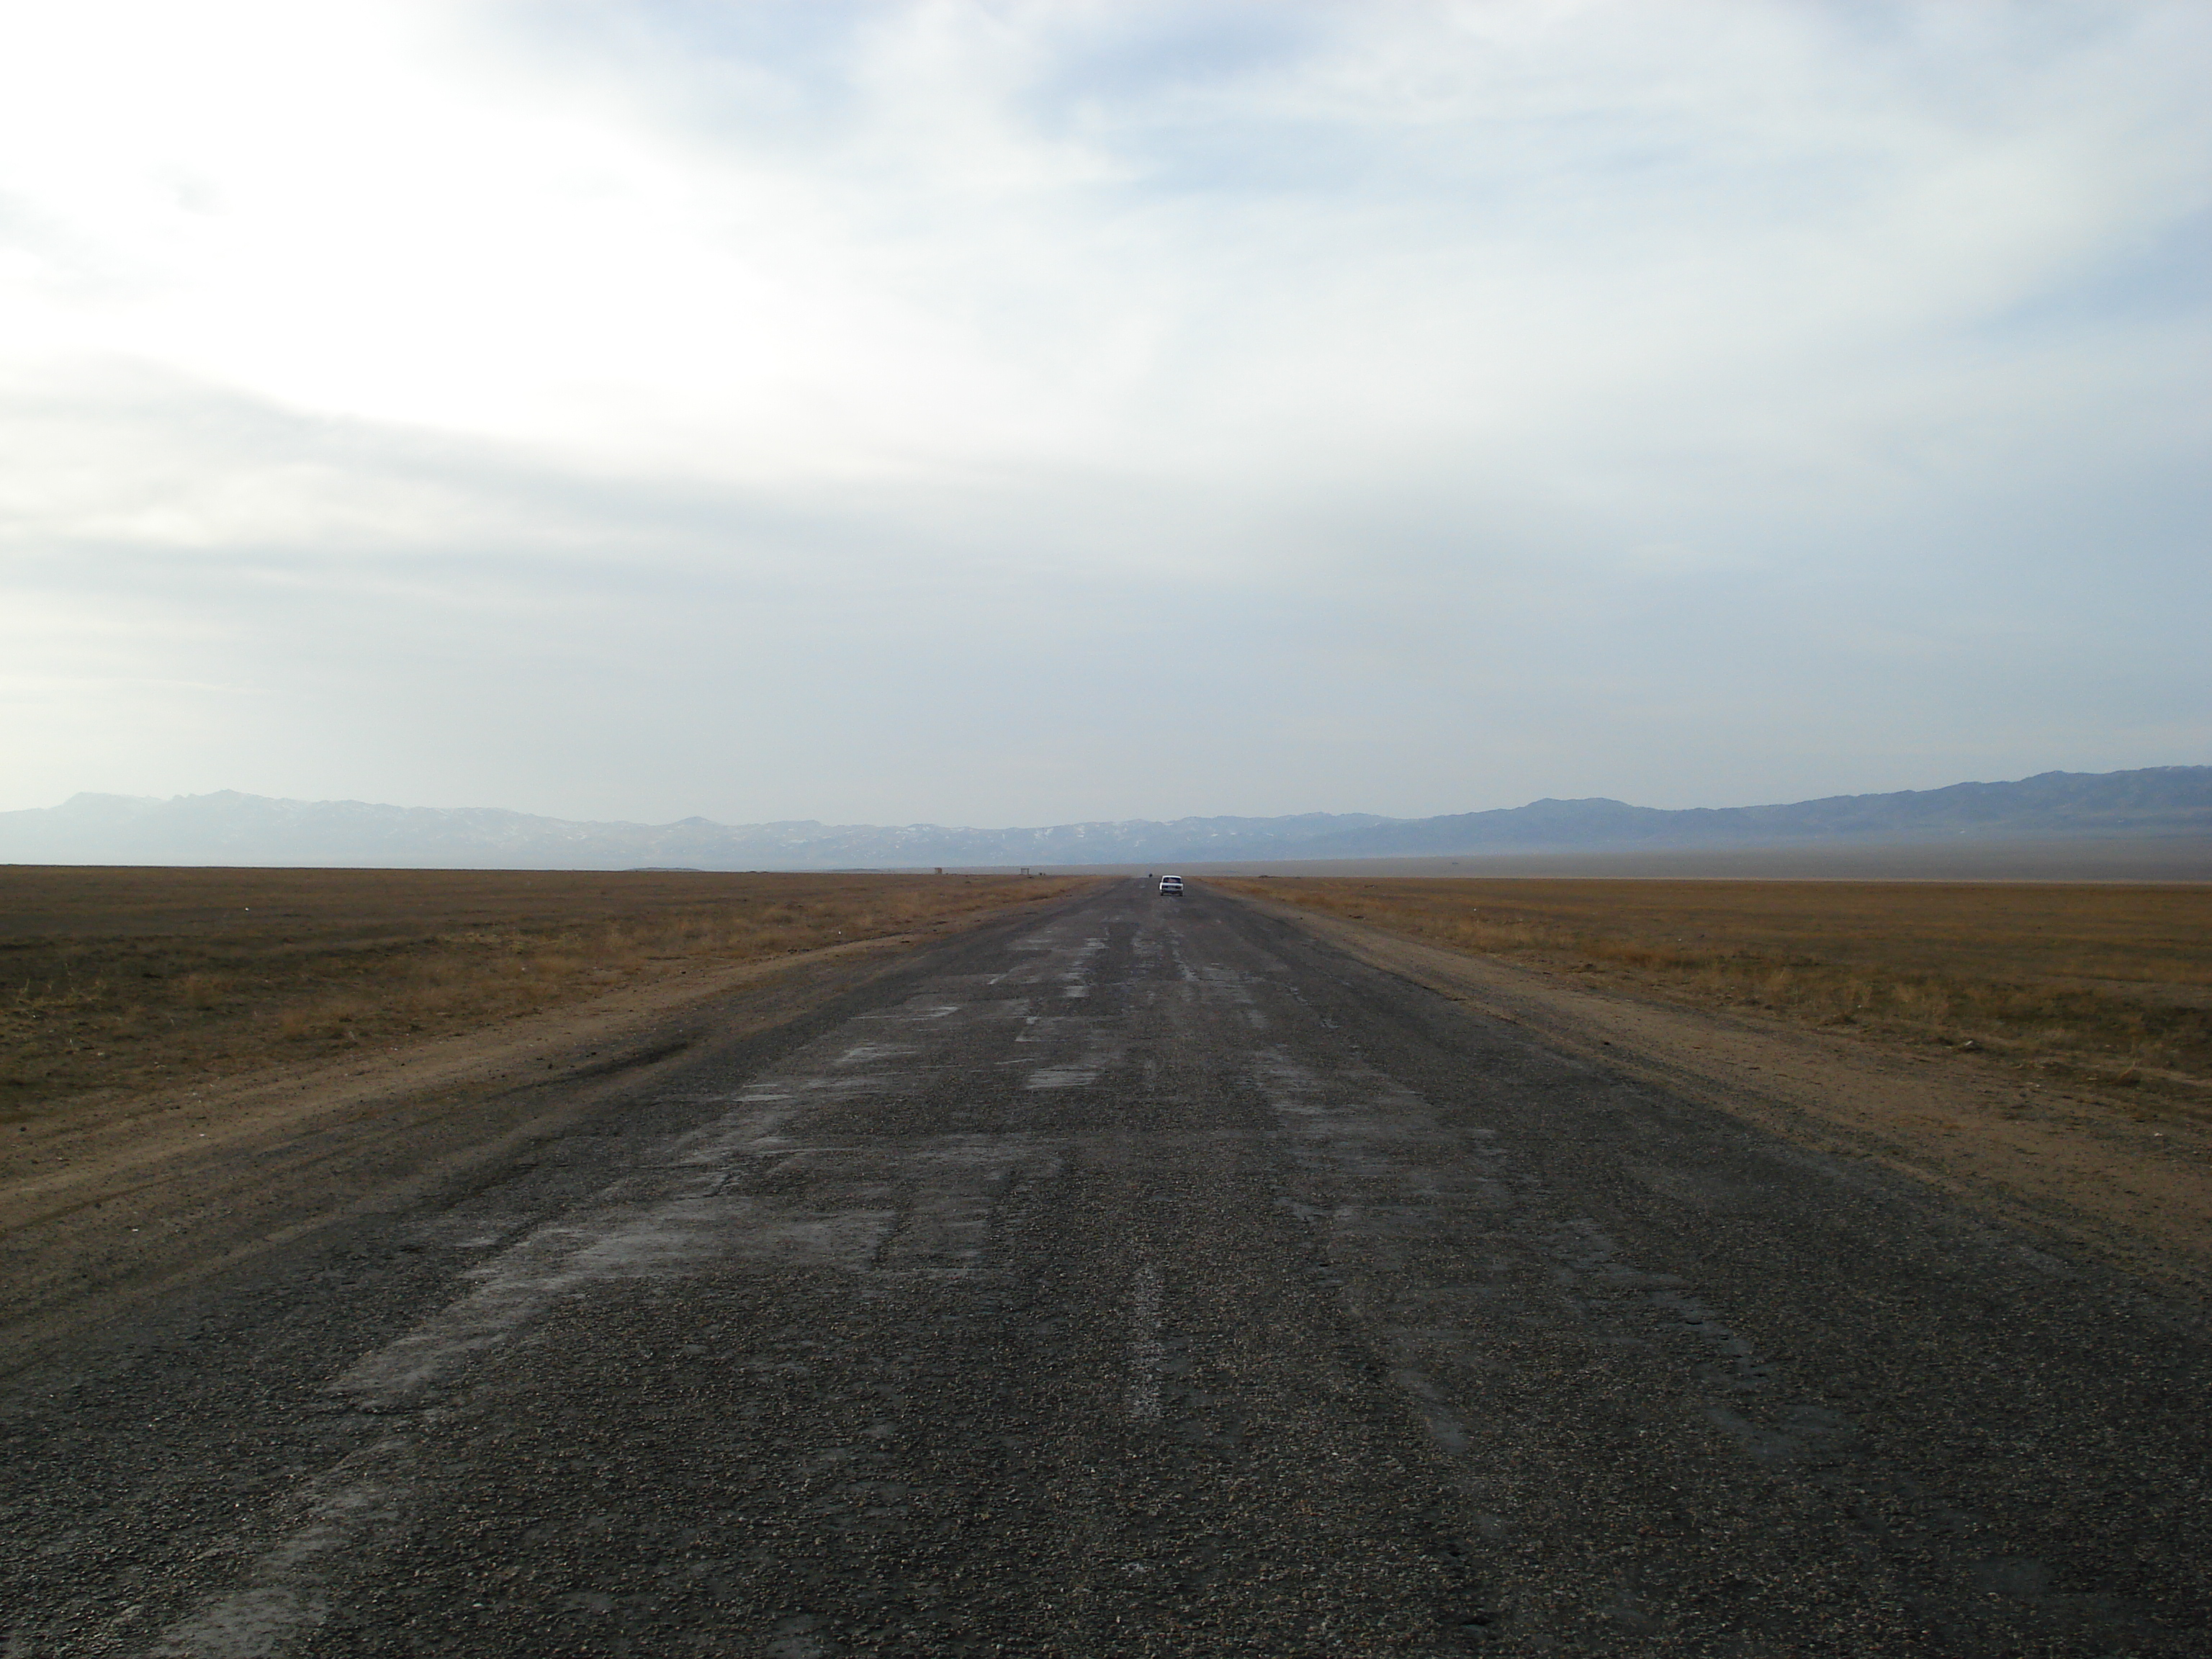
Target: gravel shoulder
(2071, 1167)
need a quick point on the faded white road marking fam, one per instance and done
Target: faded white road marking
(864, 1054)
(667, 1240)
(286, 1594)
(914, 1013)
(1145, 1350)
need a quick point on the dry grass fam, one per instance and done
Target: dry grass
(2110, 984)
(132, 978)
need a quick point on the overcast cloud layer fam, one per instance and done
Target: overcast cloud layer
(1004, 413)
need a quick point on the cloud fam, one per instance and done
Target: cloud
(902, 411)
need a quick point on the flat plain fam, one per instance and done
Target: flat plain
(2175, 858)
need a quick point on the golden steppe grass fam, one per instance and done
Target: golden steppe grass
(2111, 984)
(132, 978)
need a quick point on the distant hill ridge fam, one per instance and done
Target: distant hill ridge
(227, 827)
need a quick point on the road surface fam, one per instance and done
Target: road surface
(1144, 1277)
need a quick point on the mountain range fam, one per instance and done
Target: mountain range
(227, 827)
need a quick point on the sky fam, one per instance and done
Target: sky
(988, 412)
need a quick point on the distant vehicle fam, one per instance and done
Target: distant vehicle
(1171, 885)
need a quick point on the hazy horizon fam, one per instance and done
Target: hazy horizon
(1027, 414)
(895, 823)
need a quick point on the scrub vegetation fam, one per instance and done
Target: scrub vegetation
(2108, 984)
(134, 978)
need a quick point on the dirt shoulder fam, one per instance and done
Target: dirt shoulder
(2074, 1167)
(132, 1192)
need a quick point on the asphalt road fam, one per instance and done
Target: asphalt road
(1145, 1278)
